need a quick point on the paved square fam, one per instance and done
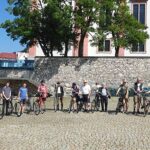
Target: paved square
(82, 131)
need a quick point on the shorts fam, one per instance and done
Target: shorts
(43, 99)
(137, 99)
(85, 98)
(23, 101)
(77, 97)
(59, 95)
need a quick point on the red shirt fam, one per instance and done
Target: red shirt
(43, 90)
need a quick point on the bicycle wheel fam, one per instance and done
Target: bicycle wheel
(28, 107)
(93, 106)
(1, 109)
(42, 110)
(146, 110)
(36, 108)
(10, 107)
(17, 109)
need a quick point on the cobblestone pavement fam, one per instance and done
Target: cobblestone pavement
(82, 131)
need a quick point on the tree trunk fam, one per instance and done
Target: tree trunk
(51, 50)
(117, 51)
(66, 49)
(44, 48)
(81, 45)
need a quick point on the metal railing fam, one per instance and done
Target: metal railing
(23, 64)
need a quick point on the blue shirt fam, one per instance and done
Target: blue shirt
(23, 93)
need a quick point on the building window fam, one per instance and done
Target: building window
(104, 46)
(139, 12)
(138, 48)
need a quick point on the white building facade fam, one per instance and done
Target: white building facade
(141, 10)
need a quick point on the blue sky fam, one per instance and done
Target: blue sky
(6, 43)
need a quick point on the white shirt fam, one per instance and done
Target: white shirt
(85, 89)
(138, 87)
(58, 90)
(104, 92)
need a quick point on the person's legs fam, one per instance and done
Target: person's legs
(134, 103)
(21, 107)
(42, 103)
(84, 101)
(138, 104)
(102, 103)
(4, 105)
(126, 105)
(7, 106)
(57, 103)
(71, 103)
(74, 103)
(98, 101)
(61, 101)
(23, 104)
(106, 103)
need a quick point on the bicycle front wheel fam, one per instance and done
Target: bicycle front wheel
(36, 108)
(10, 107)
(17, 109)
(1, 109)
(43, 108)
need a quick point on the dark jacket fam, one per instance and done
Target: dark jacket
(107, 91)
(61, 90)
(136, 87)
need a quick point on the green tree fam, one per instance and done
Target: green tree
(85, 16)
(116, 19)
(48, 24)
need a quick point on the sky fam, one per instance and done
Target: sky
(6, 43)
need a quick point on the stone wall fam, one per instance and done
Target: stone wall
(68, 70)
(108, 70)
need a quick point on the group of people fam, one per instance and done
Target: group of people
(82, 95)
(79, 95)
(6, 95)
(102, 94)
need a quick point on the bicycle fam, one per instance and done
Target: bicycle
(19, 109)
(146, 104)
(120, 105)
(95, 104)
(37, 104)
(2, 107)
(72, 102)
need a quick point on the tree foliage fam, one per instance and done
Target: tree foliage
(116, 20)
(55, 25)
(47, 23)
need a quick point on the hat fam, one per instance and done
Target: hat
(84, 81)
(58, 82)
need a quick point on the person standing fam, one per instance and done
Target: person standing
(97, 96)
(59, 93)
(23, 97)
(123, 93)
(6, 93)
(138, 89)
(104, 93)
(74, 98)
(43, 93)
(86, 92)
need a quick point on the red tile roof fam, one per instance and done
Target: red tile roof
(8, 56)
